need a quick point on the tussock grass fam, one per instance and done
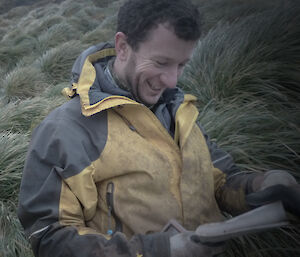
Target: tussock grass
(23, 82)
(12, 239)
(10, 35)
(252, 58)
(12, 51)
(12, 13)
(43, 25)
(55, 93)
(56, 35)
(45, 11)
(8, 5)
(56, 63)
(2, 73)
(244, 75)
(283, 242)
(104, 32)
(13, 147)
(4, 25)
(98, 35)
(69, 8)
(229, 11)
(82, 22)
(23, 116)
(258, 139)
(2, 33)
(96, 13)
(103, 3)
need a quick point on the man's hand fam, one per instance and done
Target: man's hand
(187, 244)
(276, 185)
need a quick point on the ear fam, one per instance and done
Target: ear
(121, 46)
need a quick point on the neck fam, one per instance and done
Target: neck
(117, 70)
(116, 73)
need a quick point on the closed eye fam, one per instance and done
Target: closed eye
(182, 65)
(161, 63)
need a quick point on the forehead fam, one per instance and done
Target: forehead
(161, 41)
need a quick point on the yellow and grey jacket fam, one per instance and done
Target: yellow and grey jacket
(103, 162)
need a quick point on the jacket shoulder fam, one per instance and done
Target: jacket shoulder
(70, 138)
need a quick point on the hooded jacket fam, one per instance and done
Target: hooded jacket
(104, 163)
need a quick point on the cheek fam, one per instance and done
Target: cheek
(147, 73)
(143, 66)
(180, 71)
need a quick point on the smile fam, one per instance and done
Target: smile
(153, 87)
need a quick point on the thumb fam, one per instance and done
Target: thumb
(268, 195)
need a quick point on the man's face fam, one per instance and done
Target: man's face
(157, 64)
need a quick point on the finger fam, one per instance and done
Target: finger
(290, 197)
(268, 195)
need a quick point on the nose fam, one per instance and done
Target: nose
(169, 77)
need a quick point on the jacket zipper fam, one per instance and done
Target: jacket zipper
(111, 211)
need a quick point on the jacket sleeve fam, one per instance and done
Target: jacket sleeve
(230, 193)
(51, 156)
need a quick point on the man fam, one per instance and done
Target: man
(107, 170)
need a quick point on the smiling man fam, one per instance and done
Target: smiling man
(107, 170)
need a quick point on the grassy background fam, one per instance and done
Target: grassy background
(245, 73)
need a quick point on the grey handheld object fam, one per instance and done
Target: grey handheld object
(260, 219)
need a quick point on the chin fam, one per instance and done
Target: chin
(149, 103)
(149, 100)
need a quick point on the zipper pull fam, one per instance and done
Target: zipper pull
(109, 196)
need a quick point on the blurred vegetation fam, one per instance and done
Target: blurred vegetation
(245, 73)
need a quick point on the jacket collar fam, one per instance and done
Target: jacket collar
(91, 84)
(97, 92)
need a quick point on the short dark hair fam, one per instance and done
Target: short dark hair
(137, 17)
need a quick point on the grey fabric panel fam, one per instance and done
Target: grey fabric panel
(102, 86)
(220, 159)
(81, 139)
(166, 108)
(77, 66)
(38, 204)
(62, 146)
